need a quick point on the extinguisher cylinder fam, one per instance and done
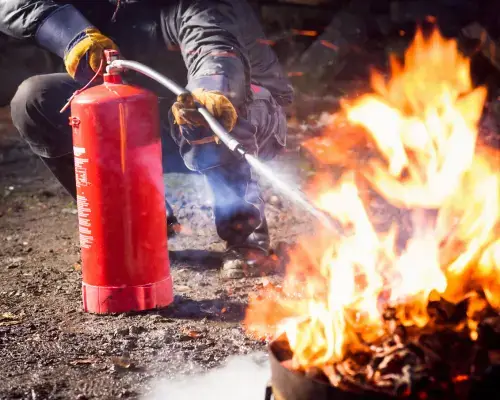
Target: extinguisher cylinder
(120, 198)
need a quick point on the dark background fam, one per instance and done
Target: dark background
(364, 30)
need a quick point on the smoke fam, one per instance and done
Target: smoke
(241, 377)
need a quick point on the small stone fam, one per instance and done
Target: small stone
(46, 193)
(121, 332)
(136, 330)
(121, 363)
(156, 344)
(128, 345)
(182, 288)
(126, 394)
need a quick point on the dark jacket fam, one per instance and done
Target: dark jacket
(221, 41)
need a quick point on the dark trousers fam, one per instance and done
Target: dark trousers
(35, 112)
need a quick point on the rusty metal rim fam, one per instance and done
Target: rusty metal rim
(286, 384)
(291, 385)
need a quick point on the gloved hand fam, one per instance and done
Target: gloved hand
(67, 33)
(198, 144)
(85, 53)
(185, 112)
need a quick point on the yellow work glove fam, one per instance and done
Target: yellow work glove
(184, 109)
(89, 50)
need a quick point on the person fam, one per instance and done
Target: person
(215, 47)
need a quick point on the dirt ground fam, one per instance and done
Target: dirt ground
(50, 349)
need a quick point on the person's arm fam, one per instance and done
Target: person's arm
(61, 29)
(53, 26)
(21, 18)
(206, 32)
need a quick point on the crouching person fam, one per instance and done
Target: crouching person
(229, 69)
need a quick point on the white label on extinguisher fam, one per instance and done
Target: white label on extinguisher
(79, 151)
(86, 238)
(80, 167)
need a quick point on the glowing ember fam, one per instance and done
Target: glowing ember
(414, 143)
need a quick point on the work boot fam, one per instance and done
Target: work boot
(250, 258)
(173, 225)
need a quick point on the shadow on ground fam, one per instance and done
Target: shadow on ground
(199, 260)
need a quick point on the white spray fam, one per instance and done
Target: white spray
(241, 377)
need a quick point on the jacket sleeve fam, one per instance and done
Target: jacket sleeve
(21, 18)
(53, 26)
(207, 33)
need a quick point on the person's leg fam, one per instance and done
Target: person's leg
(35, 113)
(238, 207)
(239, 218)
(173, 225)
(270, 124)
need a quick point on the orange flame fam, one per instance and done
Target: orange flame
(413, 142)
(304, 32)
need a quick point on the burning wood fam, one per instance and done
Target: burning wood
(412, 310)
(441, 360)
(409, 361)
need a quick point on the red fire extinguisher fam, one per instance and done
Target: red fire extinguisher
(120, 198)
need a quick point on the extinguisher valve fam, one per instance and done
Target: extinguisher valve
(112, 75)
(111, 55)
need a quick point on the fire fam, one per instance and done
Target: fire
(414, 143)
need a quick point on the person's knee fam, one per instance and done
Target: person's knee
(35, 114)
(25, 101)
(28, 105)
